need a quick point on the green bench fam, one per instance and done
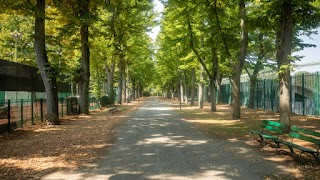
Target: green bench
(269, 130)
(309, 136)
(112, 110)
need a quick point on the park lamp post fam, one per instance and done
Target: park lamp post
(180, 84)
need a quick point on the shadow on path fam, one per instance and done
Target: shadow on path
(154, 143)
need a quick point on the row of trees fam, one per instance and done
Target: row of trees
(207, 40)
(89, 41)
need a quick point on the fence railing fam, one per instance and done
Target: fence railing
(304, 94)
(18, 113)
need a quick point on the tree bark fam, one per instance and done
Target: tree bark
(201, 61)
(133, 89)
(110, 78)
(85, 61)
(254, 76)
(200, 91)
(181, 89)
(219, 89)
(173, 91)
(284, 40)
(185, 85)
(48, 74)
(124, 84)
(193, 86)
(215, 66)
(235, 79)
(120, 85)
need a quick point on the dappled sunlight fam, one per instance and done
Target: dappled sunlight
(296, 172)
(37, 163)
(84, 116)
(156, 108)
(214, 174)
(93, 146)
(211, 121)
(48, 129)
(121, 116)
(276, 158)
(171, 141)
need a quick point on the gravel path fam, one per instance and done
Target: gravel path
(154, 143)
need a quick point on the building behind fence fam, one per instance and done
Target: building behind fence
(304, 93)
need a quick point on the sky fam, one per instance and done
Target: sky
(311, 55)
(159, 9)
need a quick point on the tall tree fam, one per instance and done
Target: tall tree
(85, 57)
(290, 16)
(80, 14)
(47, 72)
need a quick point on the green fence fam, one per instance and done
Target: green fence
(304, 94)
(17, 113)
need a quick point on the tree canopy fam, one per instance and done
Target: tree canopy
(103, 47)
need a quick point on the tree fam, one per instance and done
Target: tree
(47, 72)
(290, 16)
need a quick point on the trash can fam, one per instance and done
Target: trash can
(72, 105)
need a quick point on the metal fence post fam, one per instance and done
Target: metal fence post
(41, 109)
(9, 116)
(21, 113)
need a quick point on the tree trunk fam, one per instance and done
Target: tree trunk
(284, 40)
(85, 61)
(120, 85)
(85, 71)
(254, 77)
(173, 92)
(133, 89)
(193, 87)
(201, 88)
(213, 96)
(110, 78)
(253, 85)
(181, 90)
(235, 79)
(124, 85)
(219, 89)
(185, 85)
(214, 71)
(48, 74)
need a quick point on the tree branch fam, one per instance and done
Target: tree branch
(194, 49)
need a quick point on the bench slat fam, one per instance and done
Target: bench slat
(273, 128)
(305, 138)
(305, 131)
(274, 123)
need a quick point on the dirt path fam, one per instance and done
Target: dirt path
(154, 143)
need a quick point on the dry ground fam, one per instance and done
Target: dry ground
(32, 152)
(221, 125)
